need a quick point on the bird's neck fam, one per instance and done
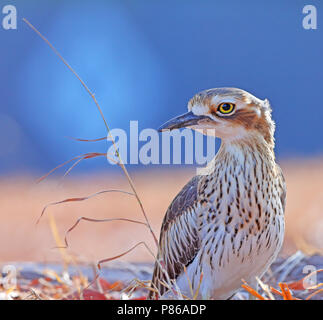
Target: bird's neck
(242, 155)
(251, 146)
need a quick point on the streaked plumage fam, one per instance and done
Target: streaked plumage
(229, 222)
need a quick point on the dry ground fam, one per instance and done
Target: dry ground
(21, 202)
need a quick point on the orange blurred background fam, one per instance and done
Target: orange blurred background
(22, 201)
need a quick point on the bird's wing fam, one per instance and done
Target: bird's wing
(179, 241)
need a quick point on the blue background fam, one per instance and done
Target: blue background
(144, 60)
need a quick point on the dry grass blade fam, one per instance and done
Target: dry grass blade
(59, 166)
(87, 140)
(125, 253)
(137, 284)
(189, 281)
(34, 294)
(273, 290)
(106, 126)
(65, 256)
(252, 291)
(98, 220)
(265, 288)
(80, 199)
(287, 295)
(73, 166)
(78, 158)
(53, 226)
(166, 285)
(314, 294)
(198, 288)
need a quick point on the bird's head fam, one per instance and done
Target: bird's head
(230, 113)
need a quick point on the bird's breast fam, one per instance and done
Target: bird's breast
(240, 221)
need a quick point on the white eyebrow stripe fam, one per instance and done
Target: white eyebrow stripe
(217, 100)
(199, 109)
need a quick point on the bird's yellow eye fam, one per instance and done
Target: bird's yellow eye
(226, 107)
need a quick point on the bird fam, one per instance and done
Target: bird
(227, 223)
